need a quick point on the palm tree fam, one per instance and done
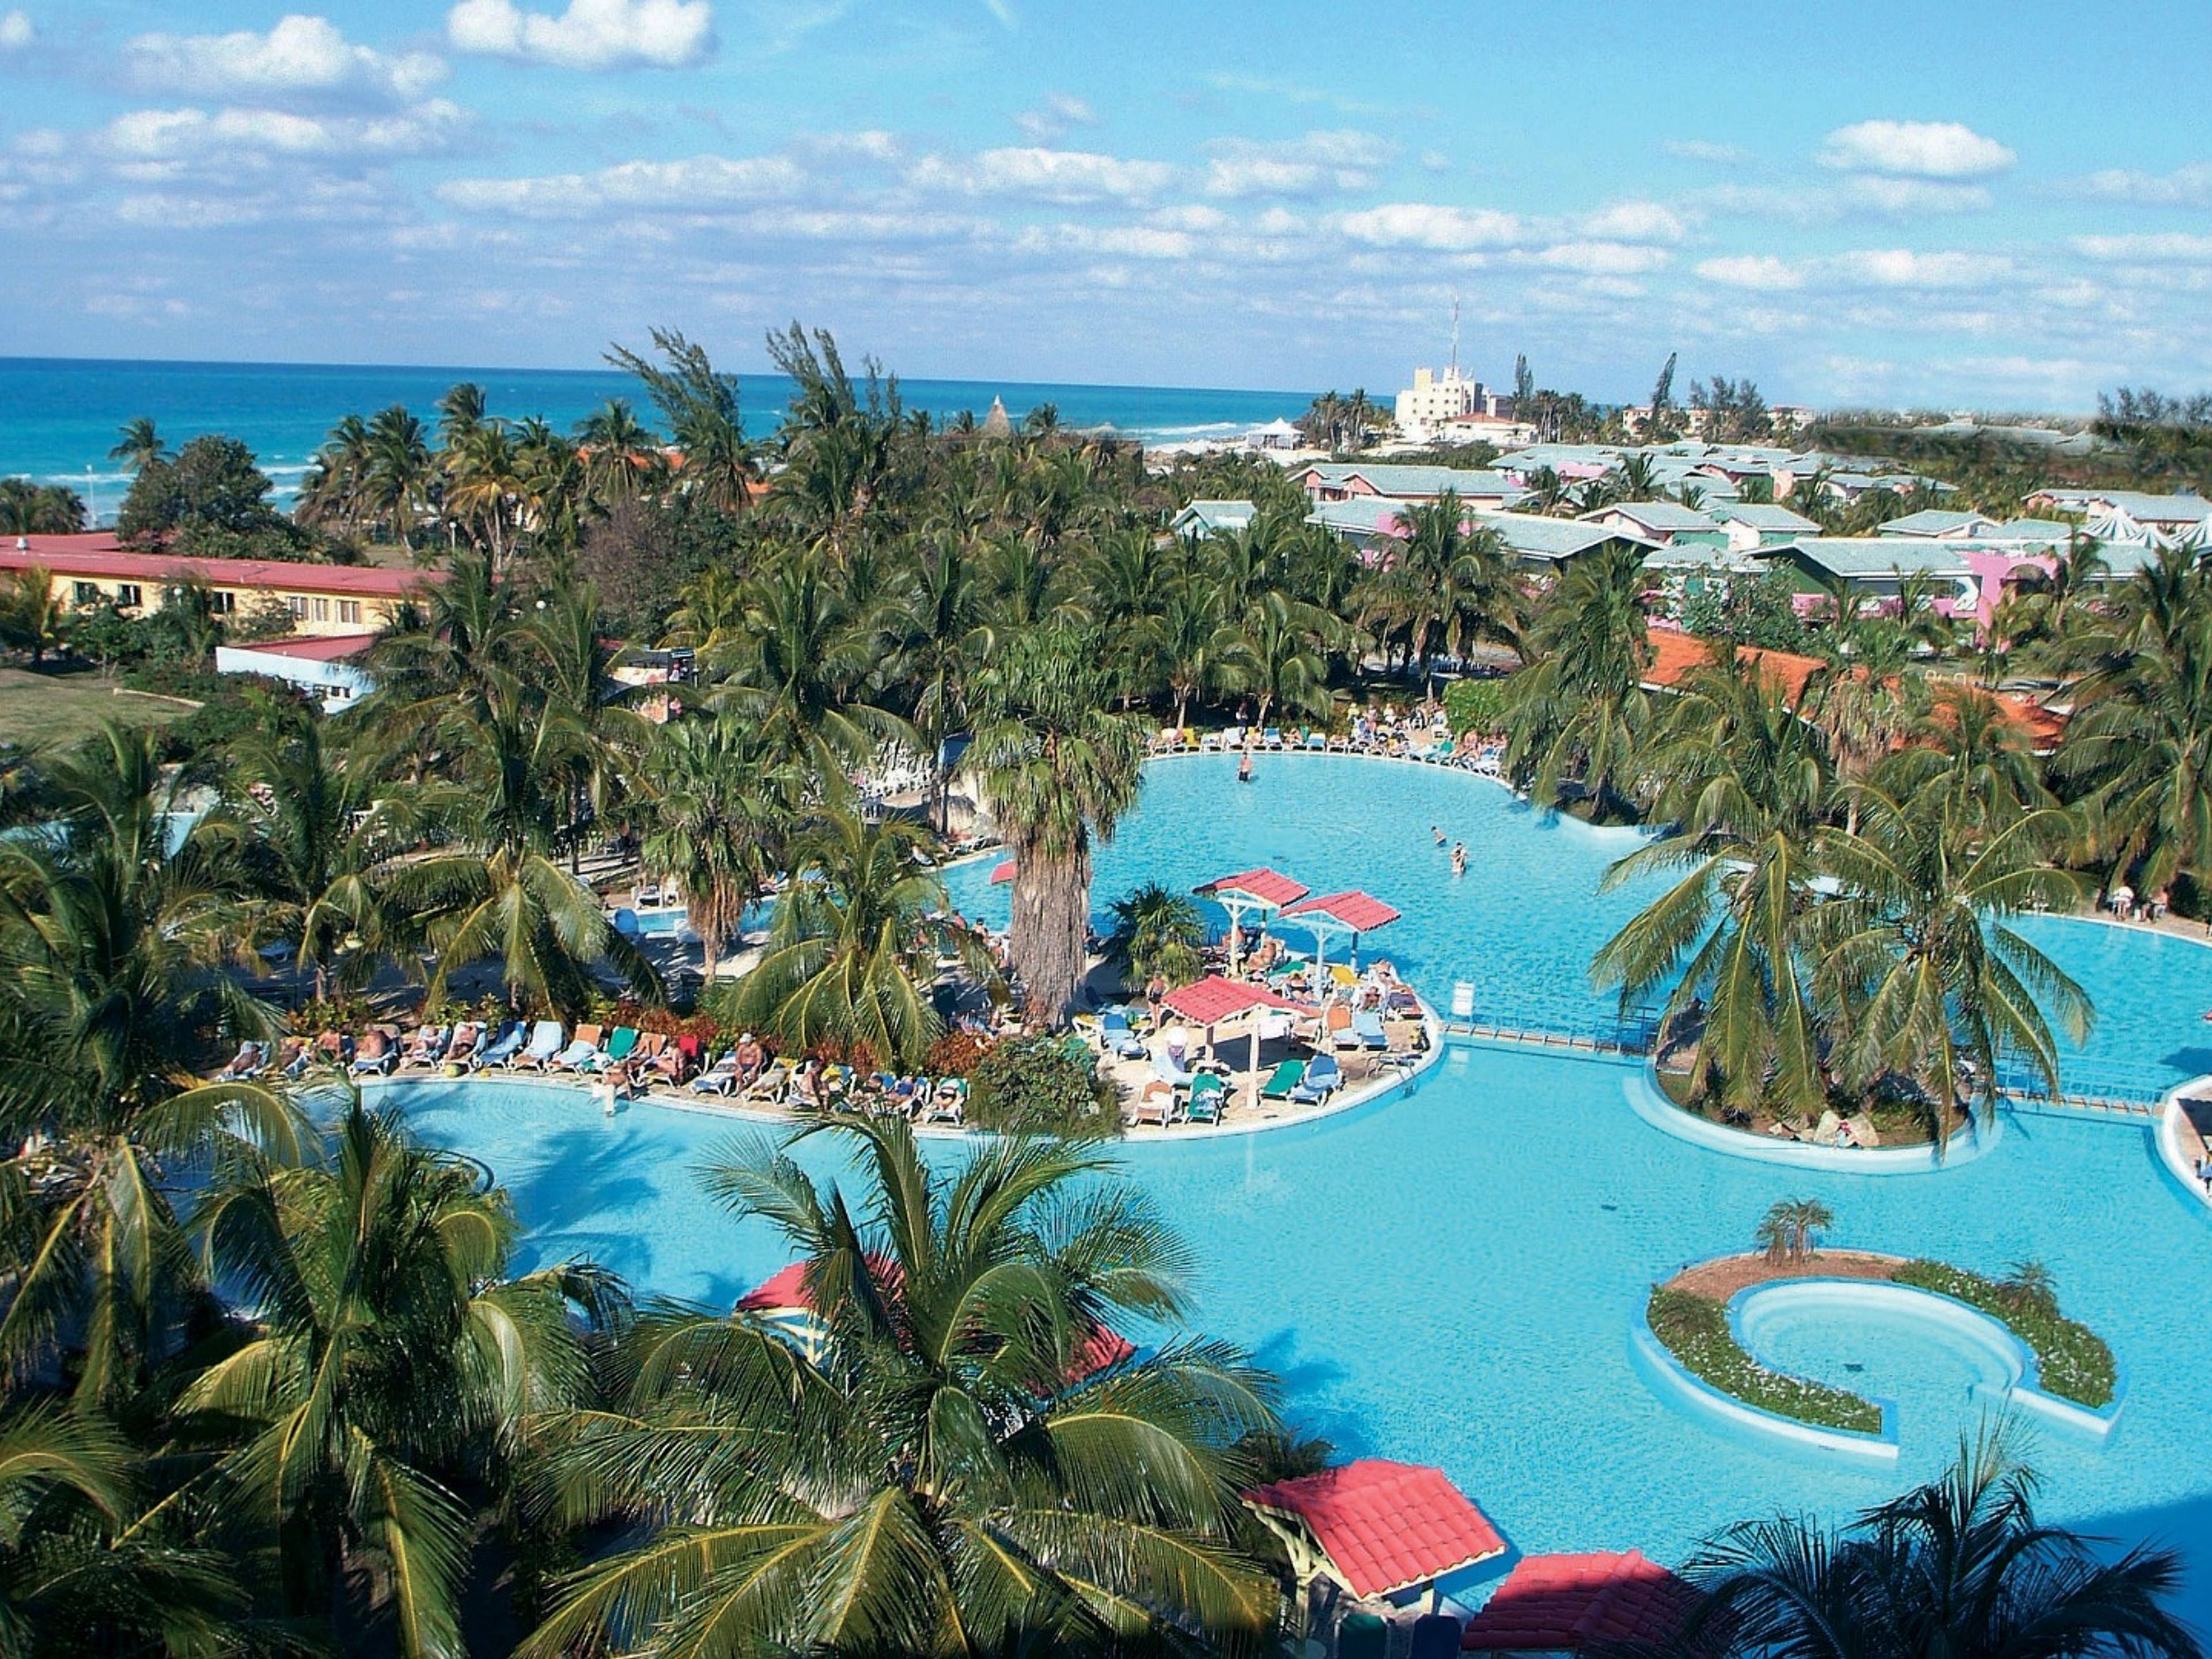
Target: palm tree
(620, 454)
(138, 446)
(75, 1577)
(1973, 757)
(852, 952)
(803, 669)
(461, 412)
(952, 1475)
(1746, 783)
(1058, 770)
(1277, 657)
(396, 486)
(335, 488)
(32, 614)
(943, 640)
(1204, 651)
(721, 807)
(1448, 587)
(1577, 712)
(1791, 1228)
(1926, 982)
(1156, 932)
(1961, 1567)
(2141, 741)
(389, 1358)
(485, 480)
(113, 950)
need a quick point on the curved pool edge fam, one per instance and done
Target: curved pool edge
(1746, 1425)
(1649, 1102)
(2010, 1373)
(2166, 1135)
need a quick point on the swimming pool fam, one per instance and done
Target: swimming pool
(1451, 1276)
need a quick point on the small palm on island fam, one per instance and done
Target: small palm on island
(1791, 1230)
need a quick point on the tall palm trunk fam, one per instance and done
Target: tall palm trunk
(1049, 940)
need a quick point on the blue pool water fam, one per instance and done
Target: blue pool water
(1450, 1275)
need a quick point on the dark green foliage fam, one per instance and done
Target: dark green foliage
(1477, 705)
(1041, 1084)
(2071, 1360)
(1746, 609)
(213, 484)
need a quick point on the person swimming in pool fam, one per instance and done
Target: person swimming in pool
(1439, 834)
(1459, 858)
(1244, 768)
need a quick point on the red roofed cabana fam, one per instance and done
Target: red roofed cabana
(1375, 1526)
(1566, 1603)
(1214, 1001)
(1259, 892)
(1351, 912)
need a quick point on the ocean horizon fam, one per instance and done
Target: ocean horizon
(59, 415)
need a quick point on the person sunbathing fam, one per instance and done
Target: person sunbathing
(750, 1057)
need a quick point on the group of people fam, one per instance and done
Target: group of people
(1458, 849)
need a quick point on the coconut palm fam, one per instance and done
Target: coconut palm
(1156, 932)
(803, 668)
(137, 445)
(485, 481)
(1926, 982)
(1058, 769)
(1791, 1228)
(31, 616)
(1975, 756)
(1960, 1566)
(1277, 657)
(1448, 587)
(953, 1475)
(114, 941)
(620, 454)
(1577, 713)
(1204, 653)
(388, 1358)
(852, 952)
(719, 809)
(1746, 783)
(397, 487)
(942, 640)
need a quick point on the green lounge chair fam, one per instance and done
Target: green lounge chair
(1285, 1078)
(1207, 1092)
(617, 1051)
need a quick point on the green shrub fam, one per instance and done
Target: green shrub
(1042, 1086)
(1695, 1330)
(2071, 1360)
(1476, 705)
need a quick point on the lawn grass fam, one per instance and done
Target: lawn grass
(46, 712)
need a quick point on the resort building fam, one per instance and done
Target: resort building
(323, 667)
(1749, 525)
(1436, 401)
(1669, 524)
(2133, 516)
(94, 570)
(1340, 481)
(1211, 518)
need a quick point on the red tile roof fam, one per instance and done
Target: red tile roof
(1386, 1526)
(99, 557)
(1210, 1000)
(1362, 912)
(1003, 873)
(328, 648)
(1676, 655)
(1267, 886)
(1564, 1603)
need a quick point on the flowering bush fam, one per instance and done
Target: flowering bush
(957, 1054)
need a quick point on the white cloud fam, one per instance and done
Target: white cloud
(16, 31)
(1342, 159)
(1704, 149)
(1904, 196)
(1904, 268)
(1919, 149)
(1118, 241)
(592, 35)
(1066, 176)
(160, 136)
(1052, 119)
(301, 55)
(1601, 258)
(1425, 224)
(2185, 186)
(1761, 271)
(2158, 247)
(1634, 222)
(700, 184)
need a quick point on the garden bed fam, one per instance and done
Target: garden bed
(1695, 1329)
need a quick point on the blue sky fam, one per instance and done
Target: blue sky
(1986, 205)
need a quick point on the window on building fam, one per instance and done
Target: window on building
(322, 610)
(349, 611)
(127, 596)
(223, 602)
(297, 603)
(84, 592)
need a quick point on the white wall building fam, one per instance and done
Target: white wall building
(1434, 400)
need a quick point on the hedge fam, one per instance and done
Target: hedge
(2071, 1360)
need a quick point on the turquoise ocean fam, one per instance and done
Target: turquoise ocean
(58, 416)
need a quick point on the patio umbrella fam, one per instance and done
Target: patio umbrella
(1214, 1001)
(1257, 892)
(1002, 874)
(1351, 912)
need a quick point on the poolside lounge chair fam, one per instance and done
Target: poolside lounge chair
(505, 1044)
(720, 1079)
(1367, 1029)
(1336, 1025)
(545, 1043)
(378, 1052)
(1284, 1080)
(250, 1061)
(1324, 1078)
(1116, 1036)
(948, 1102)
(1166, 1070)
(1272, 737)
(579, 1054)
(1207, 1094)
(427, 1046)
(773, 1084)
(1156, 1104)
(614, 1052)
(468, 1037)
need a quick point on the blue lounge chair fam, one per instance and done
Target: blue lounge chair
(366, 1064)
(1120, 1041)
(1322, 1079)
(502, 1048)
(1367, 1026)
(545, 1039)
(1168, 1072)
(580, 1054)
(720, 1079)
